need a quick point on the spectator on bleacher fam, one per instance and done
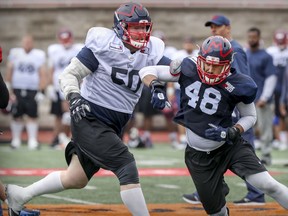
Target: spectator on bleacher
(26, 75)
(263, 73)
(279, 52)
(59, 57)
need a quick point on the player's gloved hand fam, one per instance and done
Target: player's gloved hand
(159, 99)
(39, 97)
(218, 133)
(78, 106)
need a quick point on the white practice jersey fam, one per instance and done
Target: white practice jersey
(59, 58)
(116, 84)
(280, 57)
(26, 68)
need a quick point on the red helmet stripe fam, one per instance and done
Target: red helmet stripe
(216, 45)
(140, 7)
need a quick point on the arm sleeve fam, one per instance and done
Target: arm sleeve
(269, 86)
(72, 76)
(248, 115)
(161, 72)
(4, 94)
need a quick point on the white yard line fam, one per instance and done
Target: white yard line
(69, 199)
(168, 186)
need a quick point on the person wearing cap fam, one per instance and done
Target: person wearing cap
(220, 25)
(59, 56)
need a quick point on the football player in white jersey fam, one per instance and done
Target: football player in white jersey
(59, 57)
(26, 75)
(108, 64)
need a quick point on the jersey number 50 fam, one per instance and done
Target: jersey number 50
(132, 81)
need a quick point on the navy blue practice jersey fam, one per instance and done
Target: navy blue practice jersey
(202, 104)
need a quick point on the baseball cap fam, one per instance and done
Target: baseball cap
(218, 20)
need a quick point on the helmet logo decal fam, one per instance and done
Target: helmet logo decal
(216, 44)
(140, 7)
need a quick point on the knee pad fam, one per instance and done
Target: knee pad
(128, 174)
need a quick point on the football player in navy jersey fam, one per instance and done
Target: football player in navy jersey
(221, 25)
(210, 90)
(108, 64)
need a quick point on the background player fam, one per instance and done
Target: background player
(59, 57)
(26, 74)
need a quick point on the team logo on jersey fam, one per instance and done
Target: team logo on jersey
(228, 86)
(116, 47)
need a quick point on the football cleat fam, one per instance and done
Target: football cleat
(29, 212)
(13, 194)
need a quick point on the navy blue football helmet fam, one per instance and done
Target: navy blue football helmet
(132, 24)
(216, 51)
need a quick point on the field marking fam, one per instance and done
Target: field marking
(89, 187)
(69, 199)
(158, 162)
(168, 186)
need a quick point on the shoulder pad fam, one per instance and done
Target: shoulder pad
(189, 66)
(98, 37)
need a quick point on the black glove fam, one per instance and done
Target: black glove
(218, 133)
(78, 106)
(158, 99)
